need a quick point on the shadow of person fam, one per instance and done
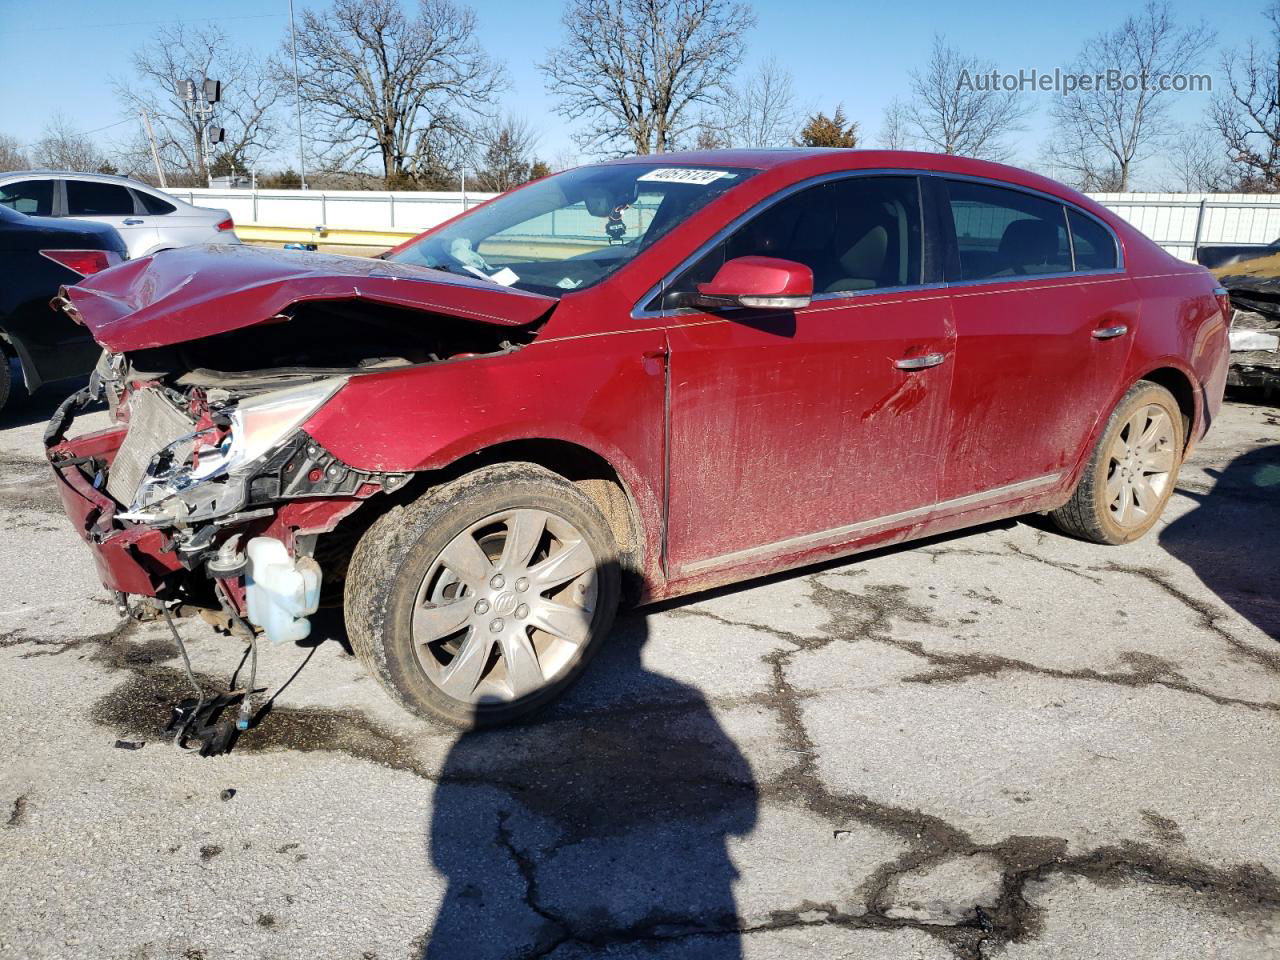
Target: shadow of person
(1231, 539)
(605, 820)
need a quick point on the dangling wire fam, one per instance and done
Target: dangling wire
(191, 678)
(242, 720)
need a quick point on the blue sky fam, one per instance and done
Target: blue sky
(61, 57)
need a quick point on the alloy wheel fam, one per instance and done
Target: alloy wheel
(1140, 466)
(506, 607)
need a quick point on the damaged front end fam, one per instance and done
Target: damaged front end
(195, 485)
(208, 494)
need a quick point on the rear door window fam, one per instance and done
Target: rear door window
(1094, 244)
(1005, 234)
(32, 197)
(85, 198)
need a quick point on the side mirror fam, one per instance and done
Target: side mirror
(759, 283)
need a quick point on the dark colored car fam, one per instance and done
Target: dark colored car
(641, 378)
(38, 255)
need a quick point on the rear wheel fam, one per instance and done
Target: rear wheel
(486, 598)
(1132, 471)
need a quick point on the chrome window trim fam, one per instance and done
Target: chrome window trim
(638, 312)
(1061, 275)
(1032, 191)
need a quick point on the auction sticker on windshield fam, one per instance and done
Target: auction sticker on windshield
(683, 175)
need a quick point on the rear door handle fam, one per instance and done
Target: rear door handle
(1110, 333)
(131, 221)
(922, 362)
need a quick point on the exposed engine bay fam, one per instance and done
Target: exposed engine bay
(212, 456)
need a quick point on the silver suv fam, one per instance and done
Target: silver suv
(147, 220)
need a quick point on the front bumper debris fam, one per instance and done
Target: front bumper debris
(130, 558)
(181, 562)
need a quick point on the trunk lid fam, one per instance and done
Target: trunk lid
(196, 292)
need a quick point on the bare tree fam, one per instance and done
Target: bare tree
(564, 159)
(759, 113)
(1247, 114)
(400, 90)
(1068, 156)
(954, 108)
(894, 128)
(247, 110)
(635, 71)
(765, 114)
(13, 155)
(506, 159)
(1198, 163)
(1115, 125)
(711, 132)
(61, 148)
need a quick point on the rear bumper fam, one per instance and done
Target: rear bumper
(130, 557)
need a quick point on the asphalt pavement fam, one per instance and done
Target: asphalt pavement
(1000, 743)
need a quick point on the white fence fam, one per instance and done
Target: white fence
(341, 209)
(1179, 222)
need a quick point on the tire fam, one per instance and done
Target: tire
(417, 598)
(1121, 494)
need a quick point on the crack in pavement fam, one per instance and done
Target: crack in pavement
(931, 840)
(1063, 565)
(141, 704)
(1209, 617)
(1148, 670)
(17, 812)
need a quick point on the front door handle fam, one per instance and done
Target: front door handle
(922, 362)
(1110, 333)
(131, 221)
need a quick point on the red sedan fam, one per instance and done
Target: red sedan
(640, 378)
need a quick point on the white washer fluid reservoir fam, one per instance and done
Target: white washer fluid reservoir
(281, 591)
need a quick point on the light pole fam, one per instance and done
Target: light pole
(297, 98)
(200, 99)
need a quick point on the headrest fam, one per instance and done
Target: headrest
(1029, 241)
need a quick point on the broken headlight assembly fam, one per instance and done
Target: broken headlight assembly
(207, 473)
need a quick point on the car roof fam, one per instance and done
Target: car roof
(77, 175)
(803, 162)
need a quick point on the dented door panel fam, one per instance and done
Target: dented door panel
(796, 424)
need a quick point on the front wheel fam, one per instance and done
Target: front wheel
(1132, 471)
(485, 598)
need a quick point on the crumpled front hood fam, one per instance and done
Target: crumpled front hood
(197, 292)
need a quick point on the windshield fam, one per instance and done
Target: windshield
(574, 229)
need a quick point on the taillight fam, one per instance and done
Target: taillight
(1224, 303)
(227, 224)
(83, 262)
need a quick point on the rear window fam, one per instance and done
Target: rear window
(32, 197)
(1094, 245)
(153, 204)
(86, 198)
